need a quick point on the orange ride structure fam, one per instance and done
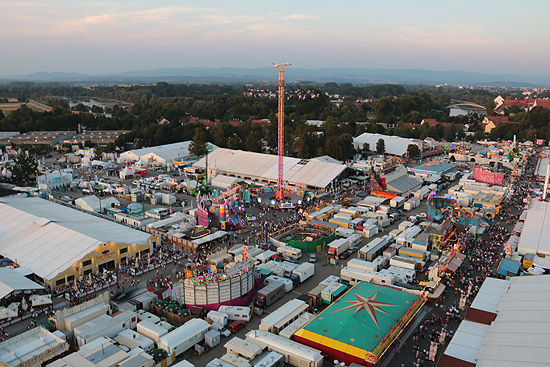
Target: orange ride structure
(280, 196)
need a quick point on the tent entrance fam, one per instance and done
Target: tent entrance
(109, 265)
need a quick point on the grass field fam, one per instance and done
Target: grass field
(9, 107)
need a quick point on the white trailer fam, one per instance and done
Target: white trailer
(264, 257)
(303, 272)
(296, 354)
(218, 317)
(243, 348)
(355, 239)
(345, 216)
(274, 278)
(274, 267)
(291, 252)
(354, 276)
(396, 277)
(411, 263)
(184, 337)
(236, 313)
(283, 316)
(133, 339)
(357, 222)
(81, 317)
(362, 264)
(380, 262)
(151, 330)
(343, 232)
(104, 325)
(397, 202)
(370, 230)
(409, 273)
(351, 211)
(336, 247)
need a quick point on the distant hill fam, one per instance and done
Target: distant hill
(256, 75)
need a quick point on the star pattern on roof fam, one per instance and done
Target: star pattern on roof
(368, 304)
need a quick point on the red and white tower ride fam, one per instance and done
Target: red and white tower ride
(281, 128)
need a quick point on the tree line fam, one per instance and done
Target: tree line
(394, 106)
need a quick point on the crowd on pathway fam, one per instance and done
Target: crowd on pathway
(484, 256)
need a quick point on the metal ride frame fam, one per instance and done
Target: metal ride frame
(280, 128)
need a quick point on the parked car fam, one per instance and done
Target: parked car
(345, 254)
(353, 249)
(225, 332)
(312, 258)
(236, 326)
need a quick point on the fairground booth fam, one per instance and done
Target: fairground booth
(362, 324)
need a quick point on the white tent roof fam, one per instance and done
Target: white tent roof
(394, 144)
(210, 237)
(48, 238)
(520, 333)
(11, 280)
(91, 202)
(167, 151)
(265, 166)
(536, 230)
(490, 294)
(467, 341)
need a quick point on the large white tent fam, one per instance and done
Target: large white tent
(519, 334)
(14, 281)
(49, 238)
(536, 230)
(394, 145)
(161, 155)
(263, 168)
(92, 203)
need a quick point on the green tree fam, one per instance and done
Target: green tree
(490, 106)
(413, 151)
(24, 168)
(365, 148)
(450, 134)
(380, 146)
(197, 147)
(254, 142)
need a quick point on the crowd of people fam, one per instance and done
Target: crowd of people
(484, 256)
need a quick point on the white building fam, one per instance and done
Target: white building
(54, 180)
(263, 168)
(60, 244)
(395, 145)
(93, 204)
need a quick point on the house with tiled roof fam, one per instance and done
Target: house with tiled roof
(235, 122)
(490, 122)
(207, 123)
(431, 122)
(540, 102)
(502, 104)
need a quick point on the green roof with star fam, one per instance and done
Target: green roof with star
(362, 317)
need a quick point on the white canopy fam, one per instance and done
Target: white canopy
(40, 300)
(6, 313)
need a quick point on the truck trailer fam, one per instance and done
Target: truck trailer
(270, 294)
(336, 247)
(302, 273)
(289, 285)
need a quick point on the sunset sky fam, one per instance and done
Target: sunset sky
(99, 37)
